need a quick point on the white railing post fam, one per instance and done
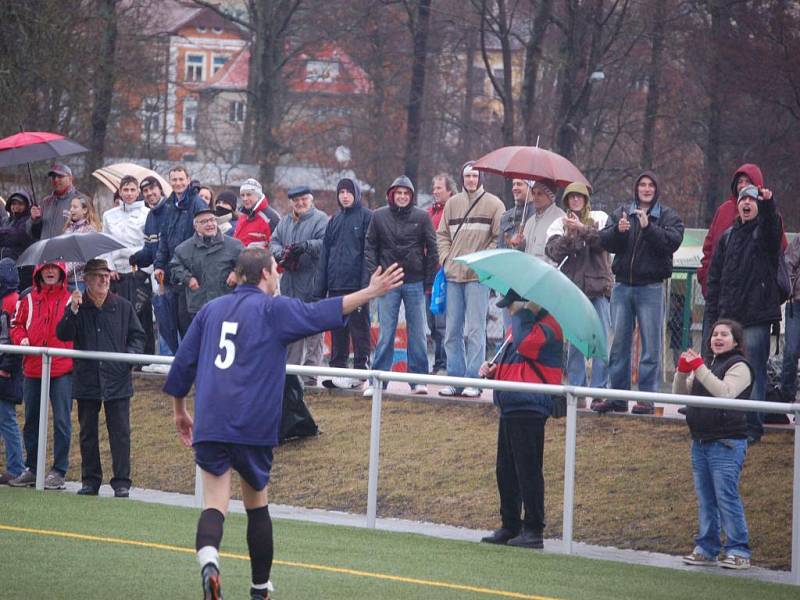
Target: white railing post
(44, 417)
(198, 487)
(374, 452)
(569, 470)
(796, 504)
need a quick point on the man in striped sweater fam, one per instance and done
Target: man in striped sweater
(532, 355)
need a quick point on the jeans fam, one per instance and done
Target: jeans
(118, 423)
(791, 349)
(467, 306)
(576, 362)
(756, 342)
(520, 479)
(716, 467)
(11, 437)
(412, 295)
(61, 403)
(436, 323)
(357, 331)
(642, 304)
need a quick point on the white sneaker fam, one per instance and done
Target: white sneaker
(421, 389)
(471, 392)
(367, 391)
(344, 383)
(156, 368)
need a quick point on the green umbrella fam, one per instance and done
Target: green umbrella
(534, 279)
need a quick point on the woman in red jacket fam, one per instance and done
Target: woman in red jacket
(35, 323)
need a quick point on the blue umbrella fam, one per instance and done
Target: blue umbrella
(537, 281)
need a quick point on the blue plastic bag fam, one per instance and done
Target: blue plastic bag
(439, 293)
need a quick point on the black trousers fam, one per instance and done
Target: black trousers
(118, 423)
(357, 330)
(520, 480)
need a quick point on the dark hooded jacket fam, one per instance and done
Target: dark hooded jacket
(152, 232)
(10, 387)
(742, 283)
(404, 236)
(15, 235)
(725, 217)
(342, 268)
(643, 256)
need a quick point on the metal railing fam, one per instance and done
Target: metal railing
(572, 393)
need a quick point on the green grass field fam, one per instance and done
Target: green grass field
(59, 545)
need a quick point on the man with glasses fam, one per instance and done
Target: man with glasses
(295, 245)
(48, 218)
(202, 266)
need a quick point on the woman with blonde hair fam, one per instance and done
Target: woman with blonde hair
(82, 219)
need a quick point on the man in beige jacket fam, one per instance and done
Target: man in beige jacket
(470, 223)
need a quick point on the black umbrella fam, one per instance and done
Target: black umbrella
(69, 247)
(30, 146)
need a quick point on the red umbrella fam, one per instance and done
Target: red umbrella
(529, 162)
(29, 146)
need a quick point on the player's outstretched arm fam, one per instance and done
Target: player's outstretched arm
(183, 420)
(380, 283)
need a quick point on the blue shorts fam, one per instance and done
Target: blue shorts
(253, 463)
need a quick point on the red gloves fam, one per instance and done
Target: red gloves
(687, 366)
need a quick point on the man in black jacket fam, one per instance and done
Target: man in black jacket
(106, 323)
(742, 284)
(402, 233)
(643, 236)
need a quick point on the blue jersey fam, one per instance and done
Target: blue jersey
(235, 352)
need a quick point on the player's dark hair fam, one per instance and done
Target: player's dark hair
(250, 264)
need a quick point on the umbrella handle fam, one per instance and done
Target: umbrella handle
(503, 346)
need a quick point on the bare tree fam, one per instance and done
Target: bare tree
(533, 59)
(418, 21)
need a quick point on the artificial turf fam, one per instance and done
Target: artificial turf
(312, 561)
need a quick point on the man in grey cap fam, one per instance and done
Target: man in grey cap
(295, 245)
(104, 322)
(48, 218)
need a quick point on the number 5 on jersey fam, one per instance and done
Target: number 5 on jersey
(227, 348)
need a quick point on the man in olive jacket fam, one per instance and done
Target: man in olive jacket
(105, 323)
(203, 265)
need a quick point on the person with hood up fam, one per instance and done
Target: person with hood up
(38, 313)
(15, 234)
(742, 284)
(10, 375)
(342, 270)
(643, 236)
(402, 233)
(296, 245)
(573, 242)
(533, 355)
(467, 298)
(177, 226)
(258, 220)
(47, 219)
(545, 213)
(225, 211)
(725, 217)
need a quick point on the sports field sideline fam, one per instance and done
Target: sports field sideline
(64, 546)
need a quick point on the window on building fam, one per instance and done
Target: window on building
(323, 71)
(478, 81)
(151, 115)
(218, 62)
(499, 74)
(189, 115)
(236, 112)
(194, 67)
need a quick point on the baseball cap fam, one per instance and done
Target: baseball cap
(510, 298)
(60, 169)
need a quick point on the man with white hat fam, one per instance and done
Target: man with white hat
(258, 220)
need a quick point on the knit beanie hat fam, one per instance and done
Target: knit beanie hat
(251, 185)
(547, 187)
(748, 191)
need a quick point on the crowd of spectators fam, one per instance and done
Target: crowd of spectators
(180, 252)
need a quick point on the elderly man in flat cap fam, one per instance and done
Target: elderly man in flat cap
(103, 322)
(295, 244)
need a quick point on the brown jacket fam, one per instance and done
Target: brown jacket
(479, 231)
(588, 265)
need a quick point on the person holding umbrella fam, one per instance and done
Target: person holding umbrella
(532, 355)
(47, 220)
(15, 234)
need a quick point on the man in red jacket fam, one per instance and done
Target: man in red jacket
(257, 220)
(35, 325)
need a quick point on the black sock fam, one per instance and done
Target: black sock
(209, 529)
(259, 542)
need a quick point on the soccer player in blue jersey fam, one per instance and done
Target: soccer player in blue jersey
(235, 354)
